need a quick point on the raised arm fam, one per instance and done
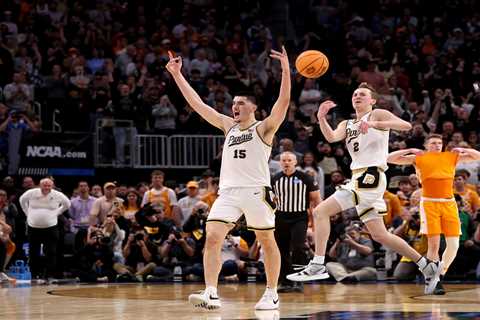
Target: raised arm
(270, 125)
(403, 157)
(383, 119)
(331, 135)
(215, 118)
(467, 154)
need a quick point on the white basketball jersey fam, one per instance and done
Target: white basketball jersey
(245, 159)
(366, 150)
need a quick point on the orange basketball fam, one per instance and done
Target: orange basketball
(312, 64)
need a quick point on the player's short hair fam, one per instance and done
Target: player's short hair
(248, 95)
(157, 173)
(373, 92)
(433, 136)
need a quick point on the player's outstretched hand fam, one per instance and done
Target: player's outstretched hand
(415, 151)
(364, 126)
(174, 65)
(459, 150)
(282, 57)
(324, 108)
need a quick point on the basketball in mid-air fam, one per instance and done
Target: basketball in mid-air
(312, 64)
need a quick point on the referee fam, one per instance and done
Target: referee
(296, 192)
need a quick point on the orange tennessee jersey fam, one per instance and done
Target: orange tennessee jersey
(436, 171)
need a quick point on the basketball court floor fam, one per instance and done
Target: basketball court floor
(169, 301)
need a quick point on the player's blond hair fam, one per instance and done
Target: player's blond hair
(373, 92)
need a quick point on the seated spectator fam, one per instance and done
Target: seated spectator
(353, 253)
(139, 253)
(177, 250)
(409, 230)
(405, 190)
(152, 219)
(195, 226)
(94, 262)
(114, 237)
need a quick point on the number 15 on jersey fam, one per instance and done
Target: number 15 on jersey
(239, 154)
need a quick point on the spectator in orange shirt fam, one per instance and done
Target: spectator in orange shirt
(466, 175)
(470, 197)
(394, 207)
(212, 193)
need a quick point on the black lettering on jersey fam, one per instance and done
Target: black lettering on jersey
(232, 141)
(352, 134)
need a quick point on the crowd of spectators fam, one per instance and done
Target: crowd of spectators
(109, 233)
(85, 61)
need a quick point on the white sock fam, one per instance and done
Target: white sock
(211, 290)
(450, 252)
(273, 291)
(319, 259)
(422, 263)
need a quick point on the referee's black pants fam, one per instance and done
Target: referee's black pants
(291, 234)
(49, 238)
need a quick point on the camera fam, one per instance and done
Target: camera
(414, 222)
(105, 240)
(176, 233)
(139, 237)
(342, 236)
(201, 211)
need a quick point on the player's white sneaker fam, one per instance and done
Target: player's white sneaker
(206, 300)
(431, 272)
(313, 271)
(269, 301)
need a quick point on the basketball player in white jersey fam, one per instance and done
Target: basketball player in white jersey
(244, 181)
(366, 138)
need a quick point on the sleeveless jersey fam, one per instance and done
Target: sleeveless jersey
(366, 150)
(245, 159)
(436, 171)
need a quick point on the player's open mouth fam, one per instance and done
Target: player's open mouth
(236, 114)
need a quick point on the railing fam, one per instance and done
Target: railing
(177, 151)
(147, 151)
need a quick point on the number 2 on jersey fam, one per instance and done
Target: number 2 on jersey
(239, 154)
(356, 147)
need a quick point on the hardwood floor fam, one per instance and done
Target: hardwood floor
(169, 301)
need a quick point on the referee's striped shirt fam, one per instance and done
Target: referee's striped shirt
(293, 191)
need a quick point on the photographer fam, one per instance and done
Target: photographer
(409, 230)
(152, 219)
(353, 253)
(195, 226)
(177, 249)
(113, 236)
(139, 253)
(95, 260)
